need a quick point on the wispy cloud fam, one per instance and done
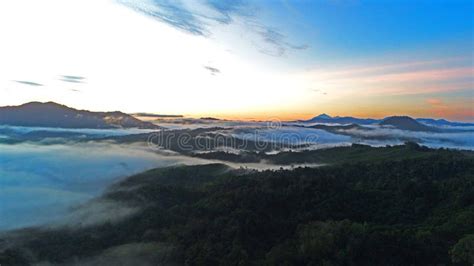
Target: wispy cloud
(413, 77)
(387, 68)
(274, 42)
(434, 101)
(212, 70)
(199, 17)
(72, 79)
(456, 109)
(173, 13)
(319, 91)
(228, 8)
(423, 75)
(29, 83)
(438, 106)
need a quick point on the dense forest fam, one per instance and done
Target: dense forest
(334, 155)
(416, 209)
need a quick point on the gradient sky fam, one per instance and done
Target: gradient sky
(241, 59)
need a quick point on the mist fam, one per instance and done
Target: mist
(43, 183)
(379, 136)
(291, 135)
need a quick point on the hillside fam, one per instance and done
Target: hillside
(413, 211)
(406, 123)
(324, 118)
(443, 122)
(336, 155)
(50, 114)
(344, 120)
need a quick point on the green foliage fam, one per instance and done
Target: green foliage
(415, 210)
(463, 251)
(338, 155)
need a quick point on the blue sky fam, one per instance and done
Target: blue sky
(361, 29)
(291, 59)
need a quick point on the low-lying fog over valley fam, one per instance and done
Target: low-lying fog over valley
(46, 172)
(236, 132)
(40, 183)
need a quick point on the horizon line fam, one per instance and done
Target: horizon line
(292, 118)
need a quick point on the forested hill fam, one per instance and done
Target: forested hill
(336, 155)
(50, 114)
(414, 211)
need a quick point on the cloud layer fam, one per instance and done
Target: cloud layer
(41, 183)
(199, 18)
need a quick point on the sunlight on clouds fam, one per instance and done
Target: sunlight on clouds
(134, 62)
(401, 78)
(131, 62)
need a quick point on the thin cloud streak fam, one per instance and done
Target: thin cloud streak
(199, 17)
(458, 109)
(414, 89)
(417, 77)
(430, 75)
(212, 70)
(72, 79)
(29, 83)
(361, 71)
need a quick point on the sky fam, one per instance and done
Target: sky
(267, 59)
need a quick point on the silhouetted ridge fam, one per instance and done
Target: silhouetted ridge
(406, 123)
(50, 114)
(325, 118)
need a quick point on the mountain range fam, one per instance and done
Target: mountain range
(50, 114)
(327, 119)
(392, 122)
(324, 118)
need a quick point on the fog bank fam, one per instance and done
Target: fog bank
(41, 183)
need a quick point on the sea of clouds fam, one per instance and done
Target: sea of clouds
(42, 183)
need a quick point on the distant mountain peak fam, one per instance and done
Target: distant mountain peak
(405, 123)
(324, 116)
(397, 118)
(443, 122)
(419, 124)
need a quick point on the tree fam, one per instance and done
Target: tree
(463, 251)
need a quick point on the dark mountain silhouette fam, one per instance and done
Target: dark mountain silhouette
(327, 119)
(50, 114)
(324, 118)
(210, 118)
(406, 123)
(443, 122)
(340, 127)
(157, 115)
